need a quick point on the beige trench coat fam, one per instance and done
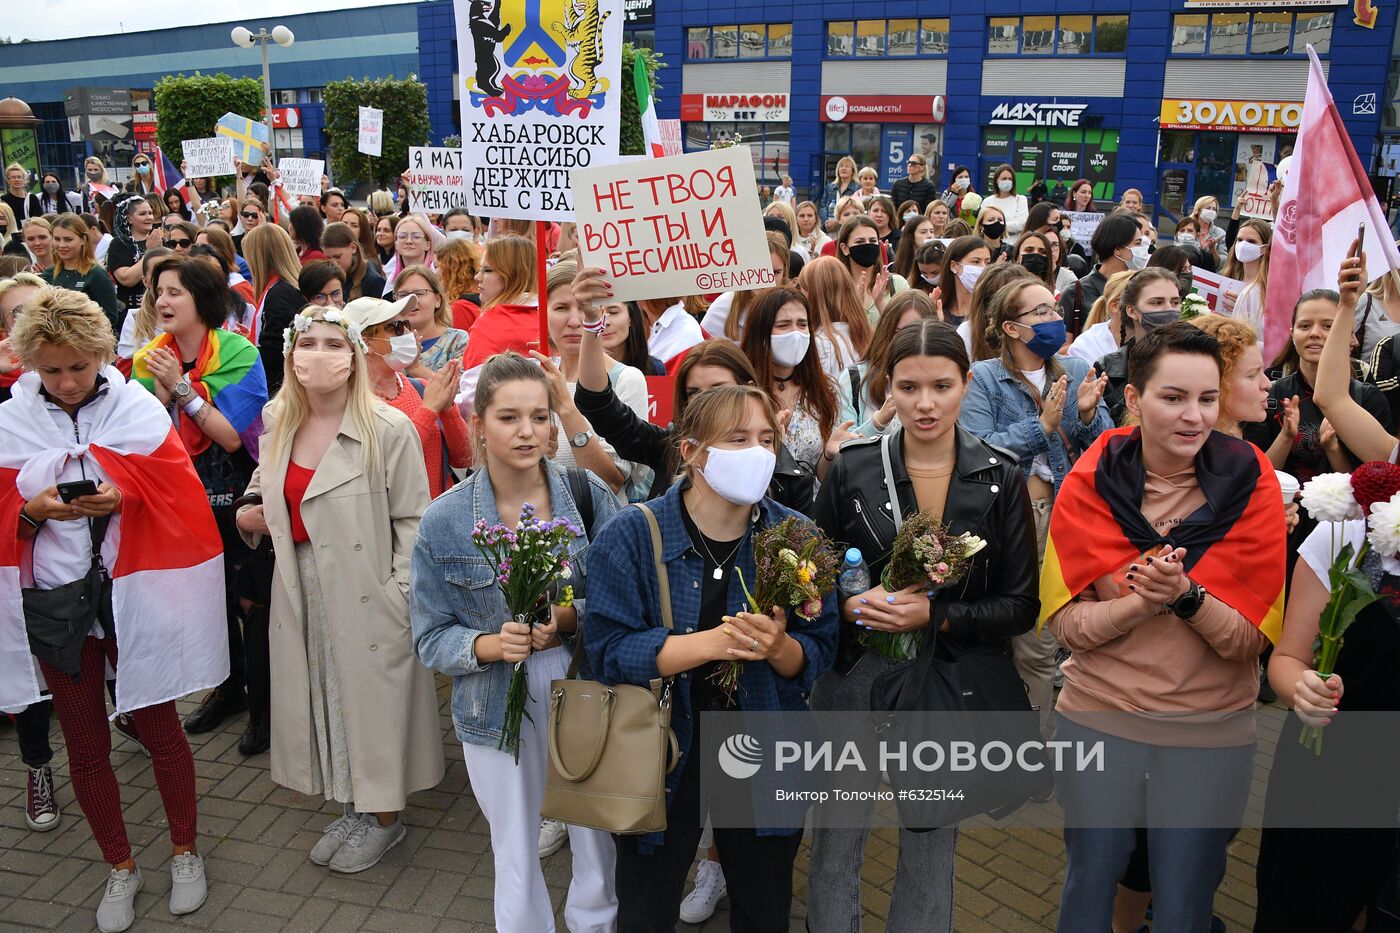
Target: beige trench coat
(363, 532)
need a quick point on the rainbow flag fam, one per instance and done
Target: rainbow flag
(1236, 550)
(228, 374)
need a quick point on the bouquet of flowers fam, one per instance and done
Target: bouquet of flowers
(1193, 305)
(795, 566)
(530, 560)
(927, 554)
(1371, 492)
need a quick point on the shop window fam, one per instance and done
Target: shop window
(1177, 146)
(879, 38)
(1063, 35)
(755, 41)
(840, 40)
(870, 38)
(933, 36)
(904, 37)
(1266, 33)
(642, 38)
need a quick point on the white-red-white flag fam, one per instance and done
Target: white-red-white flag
(1326, 198)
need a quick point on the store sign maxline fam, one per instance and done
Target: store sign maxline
(753, 107)
(1245, 116)
(1028, 113)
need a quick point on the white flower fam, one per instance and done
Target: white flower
(301, 323)
(1384, 530)
(354, 331)
(971, 545)
(1328, 498)
(287, 340)
(332, 316)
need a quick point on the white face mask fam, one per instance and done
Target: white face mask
(969, 275)
(460, 235)
(403, 350)
(1141, 253)
(740, 476)
(1004, 186)
(1246, 251)
(910, 215)
(791, 348)
(959, 184)
(1208, 216)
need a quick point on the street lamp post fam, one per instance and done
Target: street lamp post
(246, 39)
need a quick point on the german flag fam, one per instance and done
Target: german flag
(1235, 543)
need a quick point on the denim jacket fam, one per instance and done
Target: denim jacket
(830, 195)
(999, 409)
(623, 632)
(455, 599)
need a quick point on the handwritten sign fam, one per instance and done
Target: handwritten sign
(436, 181)
(541, 93)
(208, 158)
(661, 399)
(1218, 290)
(670, 136)
(248, 136)
(302, 176)
(371, 131)
(683, 225)
(1082, 225)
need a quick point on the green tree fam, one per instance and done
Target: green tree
(405, 105)
(188, 106)
(631, 139)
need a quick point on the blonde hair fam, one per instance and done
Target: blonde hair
(19, 280)
(61, 317)
(11, 224)
(712, 414)
(1200, 205)
(268, 249)
(1235, 337)
(513, 259)
(786, 211)
(1235, 269)
(443, 315)
(1112, 291)
(844, 160)
(458, 262)
(289, 407)
(849, 200)
(37, 222)
(561, 274)
(867, 172)
(86, 260)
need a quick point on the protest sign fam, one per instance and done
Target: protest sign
(541, 94)
(302, 176)
(661, 398)
(208, 158)
(1218, 290)
(684, 225)
(371, 131)
(670, 136)
(1082, 224)
(248, 136)
(436, 183)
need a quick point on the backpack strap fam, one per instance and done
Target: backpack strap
(853, 373)
(579, 487)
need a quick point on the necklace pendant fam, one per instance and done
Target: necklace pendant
(718, 574)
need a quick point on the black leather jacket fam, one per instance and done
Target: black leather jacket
(987, 496)
(1115, 365)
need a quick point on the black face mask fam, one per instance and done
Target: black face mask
(1185, 282)
(994, 229)
(1035, 264)
(864, 255)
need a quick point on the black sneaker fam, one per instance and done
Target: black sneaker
(213, 711)
(126, 727)
(257, 738)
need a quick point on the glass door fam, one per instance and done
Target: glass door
(1176, 161)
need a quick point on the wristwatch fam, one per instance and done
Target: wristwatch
(182, 390)
(580, 439)
(1189, 603)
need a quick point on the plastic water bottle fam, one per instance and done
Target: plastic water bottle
(855, 576)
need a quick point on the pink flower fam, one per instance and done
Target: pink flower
(810, 609)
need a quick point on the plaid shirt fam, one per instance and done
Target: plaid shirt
(623, 632)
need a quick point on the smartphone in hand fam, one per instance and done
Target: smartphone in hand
(76, 490)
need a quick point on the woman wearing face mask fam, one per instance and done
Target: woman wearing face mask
(340, 490)
(843, 186)
(864, 394)
(917, 231)
(1032, 251)
(778, 340)
(727, 312)
(1081, 196)
(1045, 408)
(76, 268)
(53, 199)
(810, 235)
(1118, 244)
(859, 249)
(393, 349)
(1249, 262)
(343, 248)
(141, 182)
(706, 526)
(991, 227)
(957, 189)
(465, 632)
(38, 240)
(940, 216)
(96, 190)
(17, 196)
(974, 329)
(939, 467)
(1151, 299)
(1014, 207)
(881, 210)
(928, 266)
(1104, 322)
(458, 263)
(1106, 603)
(1064, 276)
(968, 258)
(1208, 236)
(431, 318)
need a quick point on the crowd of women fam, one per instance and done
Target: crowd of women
(356, 392)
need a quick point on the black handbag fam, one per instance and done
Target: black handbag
(980, 699)
(58, 620)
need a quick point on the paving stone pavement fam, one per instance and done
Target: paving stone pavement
(255, 837)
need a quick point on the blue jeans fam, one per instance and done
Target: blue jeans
(1186, 864)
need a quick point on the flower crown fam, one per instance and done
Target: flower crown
(304, 319)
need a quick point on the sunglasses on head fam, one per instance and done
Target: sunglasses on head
(178, 244)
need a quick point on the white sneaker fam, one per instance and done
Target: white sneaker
(334, 836)
(187, 886)
(117, 911)
(700, 903)
(553, 835)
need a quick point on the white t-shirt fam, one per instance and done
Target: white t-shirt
(785, 194)
(1040, 466)
(836, 352)
(965, 332)
(673, 333)
(1095, 343)
(1015, 208)
(717, 315)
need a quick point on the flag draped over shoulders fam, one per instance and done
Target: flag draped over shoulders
(228, 373)
(1235, 543)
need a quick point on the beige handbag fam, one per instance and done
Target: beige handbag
(611, 747)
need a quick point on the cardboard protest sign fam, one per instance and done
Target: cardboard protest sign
(1082, 224)
(436, 182)
(1218, 290)
(670, 136)
(684, 225)
(371, 131)
(249, 136)
(541, 94)
(208, 158)
(661, 399)
(302, 176)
